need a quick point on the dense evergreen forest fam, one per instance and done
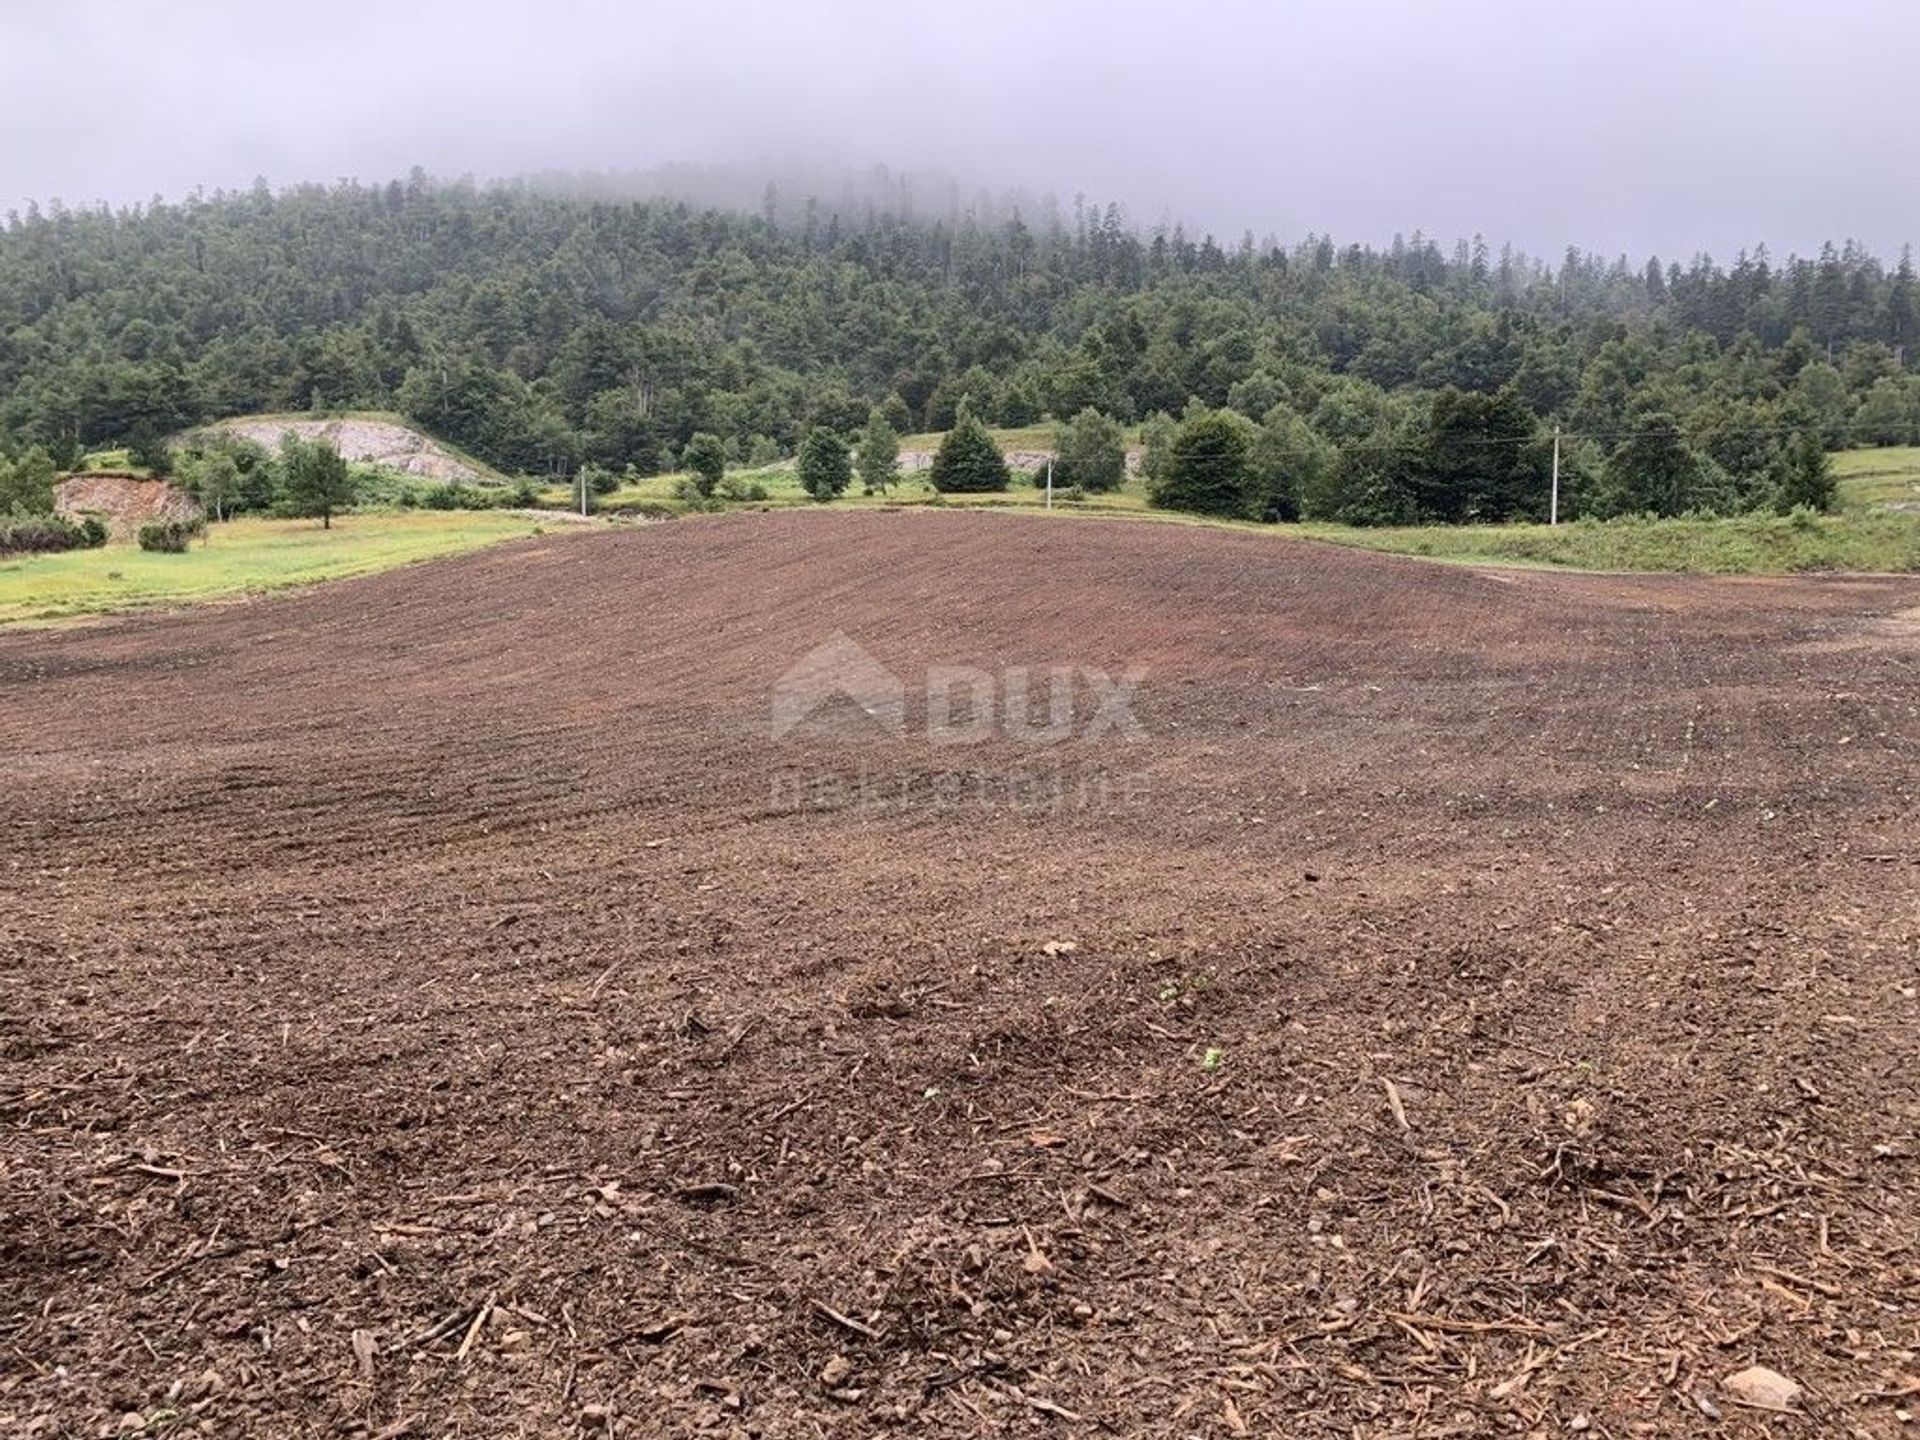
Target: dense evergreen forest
(543, 328)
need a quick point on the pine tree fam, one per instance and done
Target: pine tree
(968, 461)
(1477, 464)
(824, 467)
(878, 459)
(318, 482)
(1809, 480)
(1207, 469)
(1655, 471)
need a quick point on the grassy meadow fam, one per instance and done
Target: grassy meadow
(241, 557)
(1870, 478)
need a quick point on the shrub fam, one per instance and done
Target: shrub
(170, 537)
(687, 490)
(455, 496)
(22, 534)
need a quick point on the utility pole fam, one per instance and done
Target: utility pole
(1049, 482)
(1553, 505)
(580, 479)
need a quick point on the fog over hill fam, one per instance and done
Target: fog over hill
(1631, 127)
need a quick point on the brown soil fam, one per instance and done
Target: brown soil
(1483, 1004)
(123, 502)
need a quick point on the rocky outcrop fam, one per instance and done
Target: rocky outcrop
(122, 502)
(372, 442)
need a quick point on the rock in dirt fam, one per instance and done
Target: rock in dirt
(1764, 1388)
(836, 1372)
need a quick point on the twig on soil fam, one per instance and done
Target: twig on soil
(479, 1323)
(1045, 1407)
(206, 1252)
(845, 1322)
(1468, 1327)
(788, 1108)
(1831, 1291)
(445, 1326)
(1393, 1104)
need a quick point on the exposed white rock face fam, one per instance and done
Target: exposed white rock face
(373, 442)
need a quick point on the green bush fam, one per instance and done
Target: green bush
(22, 534)
(455, 496)
(171, 537)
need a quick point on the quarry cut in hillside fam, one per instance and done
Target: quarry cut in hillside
(122, 502)
(374, 442)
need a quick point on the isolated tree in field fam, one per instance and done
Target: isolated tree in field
(825, 470)
(26, 483)
(878, 458)
(317, 480)
(1207, 469)
(706, 457)
(1091, 452)
(1809, 478)
(968, 462)
(1655, 471)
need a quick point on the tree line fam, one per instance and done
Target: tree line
(546, 330)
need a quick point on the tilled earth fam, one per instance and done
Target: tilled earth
(1424, 1002)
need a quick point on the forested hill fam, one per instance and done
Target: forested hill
(541, 330)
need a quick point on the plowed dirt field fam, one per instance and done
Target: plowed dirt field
(1452, 1003)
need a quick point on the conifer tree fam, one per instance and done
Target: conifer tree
(968, 461)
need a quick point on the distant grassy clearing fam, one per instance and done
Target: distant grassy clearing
(241, 557)
(1889, 476)
(1738, 545)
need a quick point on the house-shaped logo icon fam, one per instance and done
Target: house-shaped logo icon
(839, 666)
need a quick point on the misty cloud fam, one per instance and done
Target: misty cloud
(1629, 126)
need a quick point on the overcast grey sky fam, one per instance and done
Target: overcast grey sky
(1611, 124)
